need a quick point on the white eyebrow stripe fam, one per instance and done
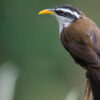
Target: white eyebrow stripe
(76, 14)
(69, 11)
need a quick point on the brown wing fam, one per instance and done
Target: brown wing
(94, 74)
(83, 55)
(82, 40)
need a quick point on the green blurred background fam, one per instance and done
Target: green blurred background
(45, 70)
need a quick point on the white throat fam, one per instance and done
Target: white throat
(63, 22)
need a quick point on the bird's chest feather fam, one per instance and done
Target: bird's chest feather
(70, 35)
(78, 32)
(78, 43)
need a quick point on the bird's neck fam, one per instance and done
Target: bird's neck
(62, 25)
(63, 22)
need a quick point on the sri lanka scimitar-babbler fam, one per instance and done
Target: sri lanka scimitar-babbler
(80, 36)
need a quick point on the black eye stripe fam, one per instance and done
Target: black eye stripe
(69, 15)
(59, 12)
(65, 14)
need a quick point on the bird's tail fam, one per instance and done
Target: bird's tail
(94, 76)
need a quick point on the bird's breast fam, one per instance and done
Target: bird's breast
(77, 40)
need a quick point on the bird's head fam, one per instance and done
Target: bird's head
(65, 14)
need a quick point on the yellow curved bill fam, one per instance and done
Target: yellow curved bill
(46, 11)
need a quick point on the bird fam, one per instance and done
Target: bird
(80, 36)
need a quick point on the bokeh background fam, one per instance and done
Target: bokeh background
(33, 63)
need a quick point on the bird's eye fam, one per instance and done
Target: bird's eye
(60, 12)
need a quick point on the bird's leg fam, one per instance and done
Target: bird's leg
(88, 90)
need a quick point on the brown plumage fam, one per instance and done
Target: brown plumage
(82, 40)
(81, 37)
